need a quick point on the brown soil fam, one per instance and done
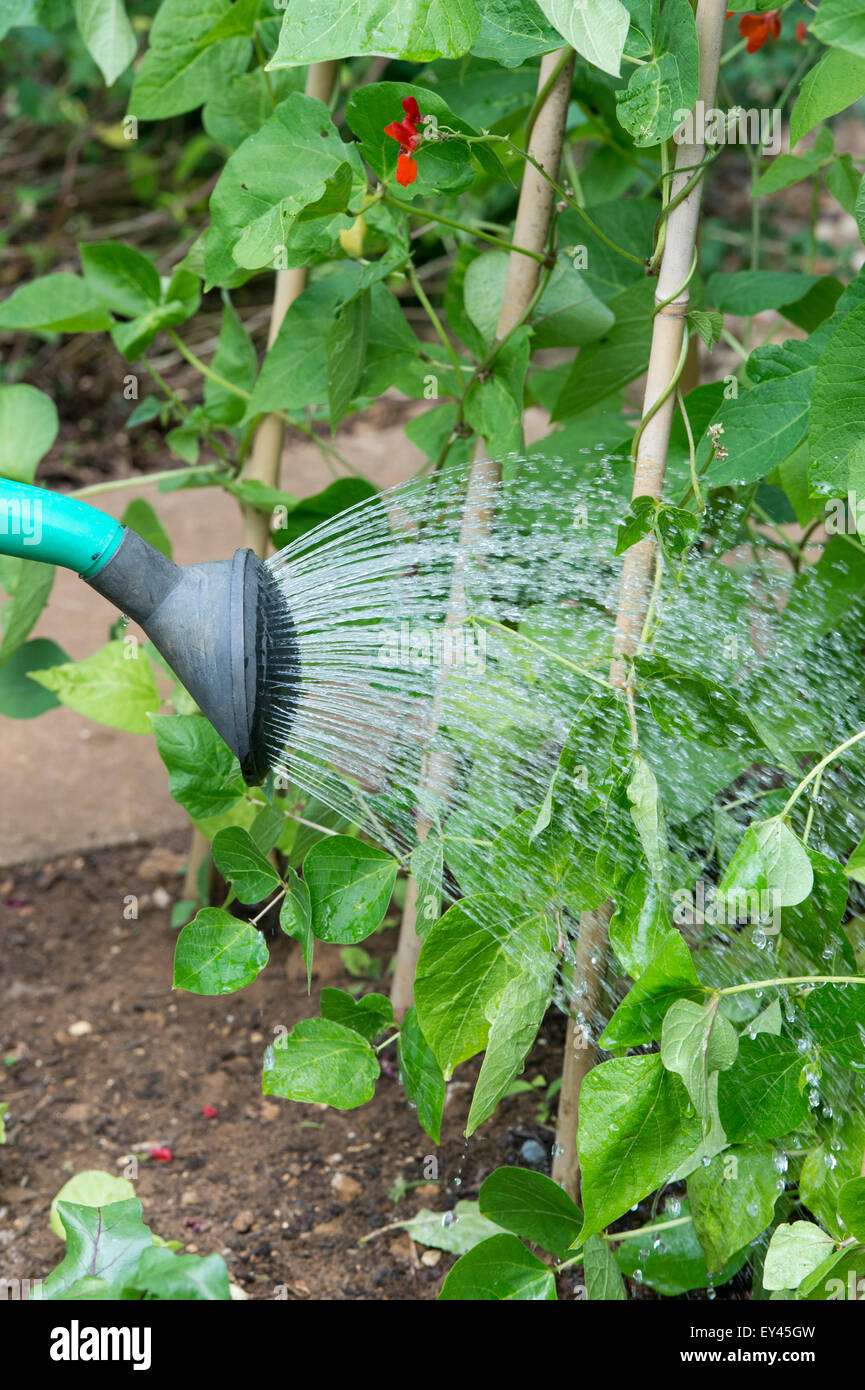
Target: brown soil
(258, 1181)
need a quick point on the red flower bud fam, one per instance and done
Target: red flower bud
(209, 1112)
(160, 1155)
(757, 28)
(801, 31)
(406, 136)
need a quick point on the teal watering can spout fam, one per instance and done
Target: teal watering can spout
(224, 627)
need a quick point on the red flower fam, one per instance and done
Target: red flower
(801, 31)
(161, 1155)
(757, 28)
(406, 136)
(209, 1112)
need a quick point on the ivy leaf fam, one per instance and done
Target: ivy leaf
(321, 1061)
(597, 29)
(369, 1015)
(242, 864)
(203, 774)
(498, 1269)
(418, 31)
(421, 1075)
(188, 59)
(636, 1127)
(603, 1280)
(350, 888)
(59, 303)
(732, 1200)
(652, 105)
(101, 1242)
(531, 1206)
(218, 954)
(759, 1097)
(110, 686)
(795, 1251)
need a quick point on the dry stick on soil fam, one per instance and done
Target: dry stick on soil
(667, 339)
(531, 231)
(266, 453)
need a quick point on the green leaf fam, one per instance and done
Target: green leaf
(668, 977)
(836, 1021)
(614, 360)
(162, 1274)
(142, 519)
(30, 587)
(494, 408)
(188, 60)
(456, 1231)
(532, 1206)
(732, 1200)
(795, 1251)
(603, 1280)
(369, 1015)
(763, 426)
(415, 30)
(309, 513)
(242, 864)
(60, 303)
(512, 31)
(465, 963)
(841, 23)
(93, 1188)
(4, 1106)
(294, 167)
(421, 1075)
(108, 35)
(295, 919)
(347, 340)
(121, 277)
(28, 428)
(235, 361)
(498, 1269)
(770, 867)
(636, 1127)
(597, 30)
(427, 867)
(678, 1265)
(218, 954)
(759, 1097)
(752, 292)
(350, 888)
(648, 817)
(836, 430)
(114, 686)
(834, 84)
(20, 697)
(321, 1061)
(652, 105)
(697, 1040)
(514, 1023)
(203, 774)
(636, 523)
(101, 1242)
(851, 1207)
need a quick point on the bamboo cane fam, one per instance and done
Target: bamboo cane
(531, 229)
(667, 340)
